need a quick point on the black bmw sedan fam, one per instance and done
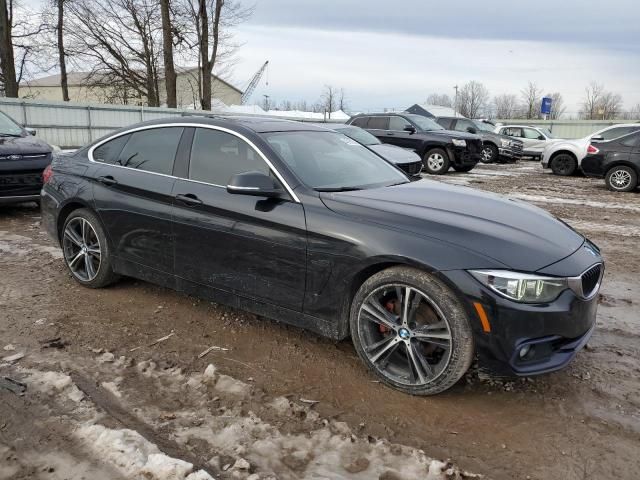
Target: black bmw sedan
(304, 225)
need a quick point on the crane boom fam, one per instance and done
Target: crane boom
(253, 83)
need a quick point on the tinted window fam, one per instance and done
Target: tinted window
(378, 123)
(217, 156)
(109, 152)
(463, 125)
(152, 150)
(445, 123)
(360, 122)
(632, 140)
(512, 132)
(424, 123)
(531, 133)
(398, 123)
(617, 132)
(358, 134)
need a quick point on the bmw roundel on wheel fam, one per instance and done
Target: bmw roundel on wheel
(301, 224)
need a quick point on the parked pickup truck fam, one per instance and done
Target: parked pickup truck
(439, 149)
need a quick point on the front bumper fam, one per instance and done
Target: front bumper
(464, 156)
(554, 332)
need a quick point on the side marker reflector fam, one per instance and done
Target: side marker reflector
(484, 320)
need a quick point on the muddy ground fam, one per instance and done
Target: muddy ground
(580, 423)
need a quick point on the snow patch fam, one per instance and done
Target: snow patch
(574, 201)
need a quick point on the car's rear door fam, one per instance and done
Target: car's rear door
(379, 127)
(250, 246)
(133, 195)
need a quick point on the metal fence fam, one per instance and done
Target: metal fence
(71, 125)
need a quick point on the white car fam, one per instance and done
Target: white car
(565, 156)
(534, 139)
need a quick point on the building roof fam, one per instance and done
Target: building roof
(75, 79)
(433, 111)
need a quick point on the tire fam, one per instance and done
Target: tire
(621, 179)
(489, 153)
(383, 342)
(563, 164)
(466, 168)
(86, 250)
(436, 161)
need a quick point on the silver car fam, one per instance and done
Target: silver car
(535, 139)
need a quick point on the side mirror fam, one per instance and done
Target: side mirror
(30, 131)
(254, 183)
(472, 130)
(597, 138)
(410, 128)
(541, 137)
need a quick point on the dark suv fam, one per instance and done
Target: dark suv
(439, 149)
(495, 146)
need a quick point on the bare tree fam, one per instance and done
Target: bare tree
(167, 51)
(7, 60)
(634, 113)
(505, 106)
(599, 104)
(557, 105)
(62, 61)
(441, 99)
(329, 99)
(342, 101)
(121, 42)
(473, 99)
(531, 97)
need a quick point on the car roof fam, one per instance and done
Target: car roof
(384, 114)
(519, 126)
(257, 124)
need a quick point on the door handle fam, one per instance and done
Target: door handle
(108, 180)
(391, 134)
(188, 199)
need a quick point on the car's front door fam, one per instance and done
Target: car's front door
(246, 245)
(534, 141)
(132, 194)
(399, 136)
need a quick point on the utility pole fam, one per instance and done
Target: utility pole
(455, 102)
(266, 102)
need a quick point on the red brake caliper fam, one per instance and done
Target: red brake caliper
(390, 306)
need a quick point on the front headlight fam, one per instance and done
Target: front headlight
(522, 287)
(459, 143)
(505, 143)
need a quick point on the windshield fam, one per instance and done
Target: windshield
(547, 133)
(486, 127)
(9, 127)
(359, 135)
(331, 161)
(424, 123)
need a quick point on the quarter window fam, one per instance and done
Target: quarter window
(151, 150)
(109, 152)
(378, 123)
(217, 156)
(617, 132)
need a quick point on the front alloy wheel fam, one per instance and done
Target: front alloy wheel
(436, 161)
(411, 341)
(489, 154)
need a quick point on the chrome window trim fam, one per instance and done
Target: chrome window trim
(193, 125)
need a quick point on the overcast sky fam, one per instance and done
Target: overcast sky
(391, 54)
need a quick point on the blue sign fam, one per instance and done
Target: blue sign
(545, 108)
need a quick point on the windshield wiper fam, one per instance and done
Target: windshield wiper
(336, 189)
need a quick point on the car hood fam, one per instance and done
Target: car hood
(23, 145)
(515, 234)
(455, 134)
(395, 154)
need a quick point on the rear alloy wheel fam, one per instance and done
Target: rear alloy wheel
(621, 179)
(436, 161)
(564, 165)
(85, 249)
(489, 153)
(411, 331)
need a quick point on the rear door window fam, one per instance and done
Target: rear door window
(617, 132)
(378, 123)
(632, 140)
(512, 132)
(445, 122)
(152, 150)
